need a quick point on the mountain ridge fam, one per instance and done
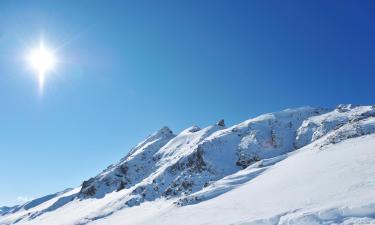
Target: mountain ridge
(189, 167)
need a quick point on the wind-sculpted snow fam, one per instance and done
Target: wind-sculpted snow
(31, 204)
(230, 182)
(317, 126)
(201, 165)
(359, 215)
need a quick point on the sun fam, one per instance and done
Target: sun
(42, 60)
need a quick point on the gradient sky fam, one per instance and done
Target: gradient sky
(128, 68)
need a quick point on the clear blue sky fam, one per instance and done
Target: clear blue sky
(128, 68)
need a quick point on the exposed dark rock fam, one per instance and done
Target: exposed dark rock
(124, 168)
(87, 183)
(273, 138)
(90, 191)
(196, 161)
(194, 129)
(344, 107)
(121, 186)
(187, 184)
(245, 162)
(221, 123)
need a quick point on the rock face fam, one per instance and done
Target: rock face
(166, 165)
(221, 123)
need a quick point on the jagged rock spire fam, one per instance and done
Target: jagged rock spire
(221, 123)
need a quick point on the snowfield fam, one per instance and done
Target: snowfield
(311, 186)
(298, 166)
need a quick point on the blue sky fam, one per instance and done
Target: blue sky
(128, 68)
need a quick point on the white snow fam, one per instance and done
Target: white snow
(298, 166)
(336, 185)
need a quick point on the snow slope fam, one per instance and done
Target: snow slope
(336, 185)
(298, 166)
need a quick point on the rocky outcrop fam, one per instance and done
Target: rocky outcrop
(137, 165)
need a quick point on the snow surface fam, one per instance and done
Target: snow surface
(298, 166)
(336, 185)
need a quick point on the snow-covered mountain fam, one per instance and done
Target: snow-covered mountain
(298, 166)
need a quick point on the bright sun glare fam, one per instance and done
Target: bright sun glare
(42, 60)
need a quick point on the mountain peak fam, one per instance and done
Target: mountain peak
(192, 166)
(221, 123)
(164, 131)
